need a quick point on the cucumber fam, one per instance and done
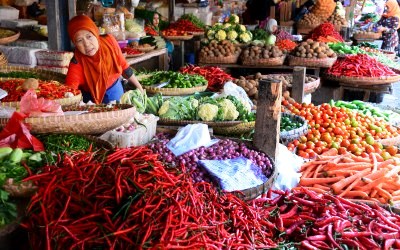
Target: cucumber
(16, 155)
(4, 152)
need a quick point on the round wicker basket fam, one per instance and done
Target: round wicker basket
(174, 91)
(265, 62)
(312, 62)
(188, 37)
(42, 74)
(291, 135)
(11, 38)
(171, 122)
(86, 123)
(237, 129)
(3, 59)
(364, 80)
(223, 60)
(309, 87)
(367, 36)
(145, 49)
(134, 55)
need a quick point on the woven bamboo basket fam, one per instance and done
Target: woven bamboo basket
(63, 101)
(238, 129)
(223, 60)
(254, 192)
(367, 36)
(311, 87)
(133, 55)
(198, 33)
(42, 74)
(365, 80)
(188, 37)
(389, 54)
(86, 123)
(10, 39)
(312, 62)
(306, 29)
(3, 59)
(265, 62)
(291, 135)
(174, 91)
(145, 49)
(171, 122)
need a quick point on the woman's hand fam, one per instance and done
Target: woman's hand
(382, 29)
(134, 81)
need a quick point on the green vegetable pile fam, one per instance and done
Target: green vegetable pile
(135, 98)
(194, 19)
(19, 74)
(174, 79)
(259, 34)
(204, 108)
(8, 210)
(288, 124)
(367, 109)
(342, 48)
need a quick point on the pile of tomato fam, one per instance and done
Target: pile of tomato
(175, 32)
(340, 128)
(131, 51)
(50, 90)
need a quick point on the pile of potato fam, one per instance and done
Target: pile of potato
(310, 19)
(256, 52)
(337, 19)
(313, 49)
(222, 49)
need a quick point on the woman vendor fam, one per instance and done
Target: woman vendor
(274, 33)
(98, 63)
(152, 28)
(388, 25)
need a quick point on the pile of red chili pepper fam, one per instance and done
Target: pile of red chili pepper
(184, 25)
(326, 33)
(286, 44)
(129, 200)
(50, 90)
(360, 65)
(215, 76)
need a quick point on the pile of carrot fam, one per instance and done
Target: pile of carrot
(354, 177)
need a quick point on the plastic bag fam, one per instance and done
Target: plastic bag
(32, 106)
(190, 137)
(234, 174)
(232, 89)
(287, 166)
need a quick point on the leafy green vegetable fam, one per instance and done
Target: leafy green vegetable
(135, 98)
(8, 210)
(153, 104)
(61, 143)
(19, 74)
(245, 113)
(174, 79)
(179, 108)
(342, 48)
(259, 34)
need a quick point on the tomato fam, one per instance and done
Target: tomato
(392, 150)
(335, 145)
(342, 150)
(310, 145)
(386, 155)
(318, 150)
(303, 154)
(303, 139)
(370, 140)
(301, 146)
(326, 137)
(369, 149)
(345, 143)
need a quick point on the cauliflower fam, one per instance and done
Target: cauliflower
(228, 110)
(164, 108)
(234, 18)
(210, 34)
(208, 112)
(221, 35)
(246, 105)
(227, 26)
(232, 35)
(245, 37)
(242, 28)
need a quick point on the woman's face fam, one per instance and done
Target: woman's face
(86, 42)
(274, 28)
(156, 20)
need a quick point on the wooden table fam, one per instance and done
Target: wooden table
(162, 55)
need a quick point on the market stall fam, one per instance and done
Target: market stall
(204, 158)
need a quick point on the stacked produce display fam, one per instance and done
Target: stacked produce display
(96, 192)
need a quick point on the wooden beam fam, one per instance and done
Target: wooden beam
(267, 128)
(171, 10)
(57, 14)
(299, 77)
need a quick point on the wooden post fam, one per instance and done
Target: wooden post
(171, 10)
(299, 77)
(267, 128)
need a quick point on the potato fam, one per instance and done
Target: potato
(30, 83)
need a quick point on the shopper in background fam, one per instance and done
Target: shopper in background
(98, 63)
(388, 25)
(274, 32)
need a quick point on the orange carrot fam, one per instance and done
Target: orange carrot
(372, 184)
(325, 188)
(312, 181)
(374, 162)
(361, 194)
(385, 163)
(331, 152)
(394, 171)
(338, 186)
(350, 187)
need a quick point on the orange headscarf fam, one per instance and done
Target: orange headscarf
(97, 68)
(393, 9)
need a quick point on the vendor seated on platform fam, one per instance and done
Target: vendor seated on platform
(152, 28)
(98, 63)
(274, 32)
